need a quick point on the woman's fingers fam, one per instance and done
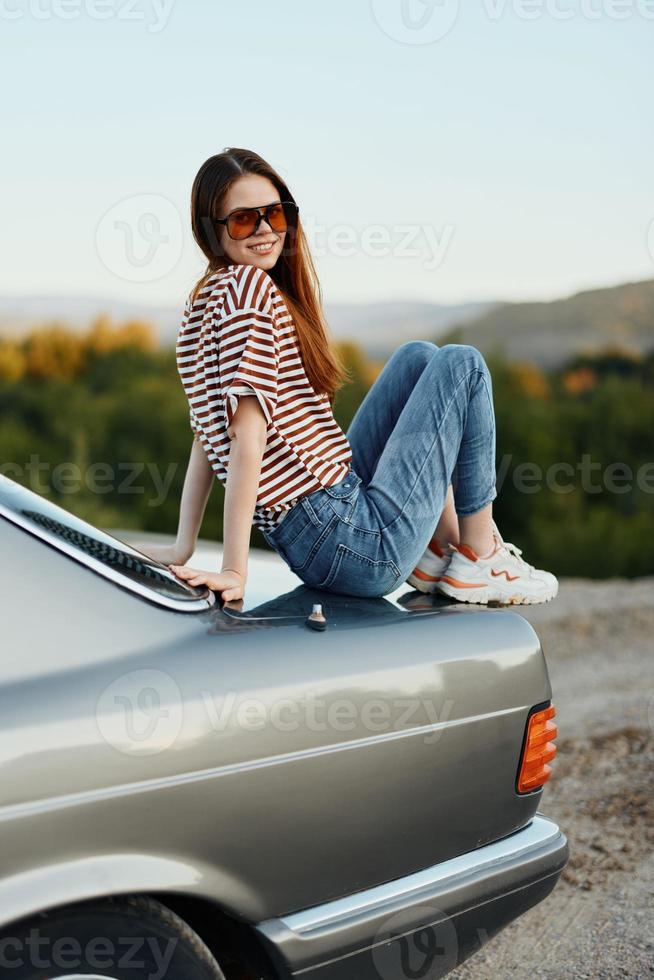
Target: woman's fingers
(194, 576)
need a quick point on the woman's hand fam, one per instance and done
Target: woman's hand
(167, 554)
(229, 583)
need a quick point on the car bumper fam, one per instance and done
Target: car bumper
(427, 923)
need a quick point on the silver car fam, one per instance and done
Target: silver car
(303, 785)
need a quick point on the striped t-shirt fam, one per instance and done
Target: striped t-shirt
(238, 338)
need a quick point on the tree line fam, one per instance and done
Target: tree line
(98, 422)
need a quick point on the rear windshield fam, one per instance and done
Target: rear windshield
(98, 550)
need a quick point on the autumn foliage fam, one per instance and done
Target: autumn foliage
(111, 397)
(56, 351)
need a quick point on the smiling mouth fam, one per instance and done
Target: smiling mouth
(263, 248)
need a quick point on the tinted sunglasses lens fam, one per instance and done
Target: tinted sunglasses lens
(241, 224)
(277, 217)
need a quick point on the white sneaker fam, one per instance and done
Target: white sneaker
(504, 577)
(426, 576)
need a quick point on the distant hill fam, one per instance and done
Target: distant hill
(550, 333)
(377, 327)
(20, 314)
(380, 327)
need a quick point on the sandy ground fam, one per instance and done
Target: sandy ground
(598, 639)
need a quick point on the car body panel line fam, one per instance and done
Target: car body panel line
(16, 811)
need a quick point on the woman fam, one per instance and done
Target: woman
(406, 495)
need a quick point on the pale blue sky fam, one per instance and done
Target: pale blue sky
(519, 151)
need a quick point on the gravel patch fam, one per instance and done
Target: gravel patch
(598, 639)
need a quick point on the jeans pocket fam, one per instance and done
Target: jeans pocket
(293, 525)
(306, 548)
(347, 487)
(353, 574)
(342, 497)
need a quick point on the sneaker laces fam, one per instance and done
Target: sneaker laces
(516, 552)
(511, 548)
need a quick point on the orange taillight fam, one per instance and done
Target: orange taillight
(538, 751)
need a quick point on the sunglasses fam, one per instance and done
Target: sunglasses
(244, 222)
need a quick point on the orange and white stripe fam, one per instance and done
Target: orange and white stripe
(238, 338)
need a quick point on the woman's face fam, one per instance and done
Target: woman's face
(265, 246)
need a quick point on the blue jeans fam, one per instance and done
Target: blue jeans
(427, 421)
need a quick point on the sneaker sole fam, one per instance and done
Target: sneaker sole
(485, 595)
(429, 588)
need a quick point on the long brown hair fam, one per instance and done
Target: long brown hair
(294, 273)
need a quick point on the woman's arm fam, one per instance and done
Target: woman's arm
(248, 435)
(198, 482)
